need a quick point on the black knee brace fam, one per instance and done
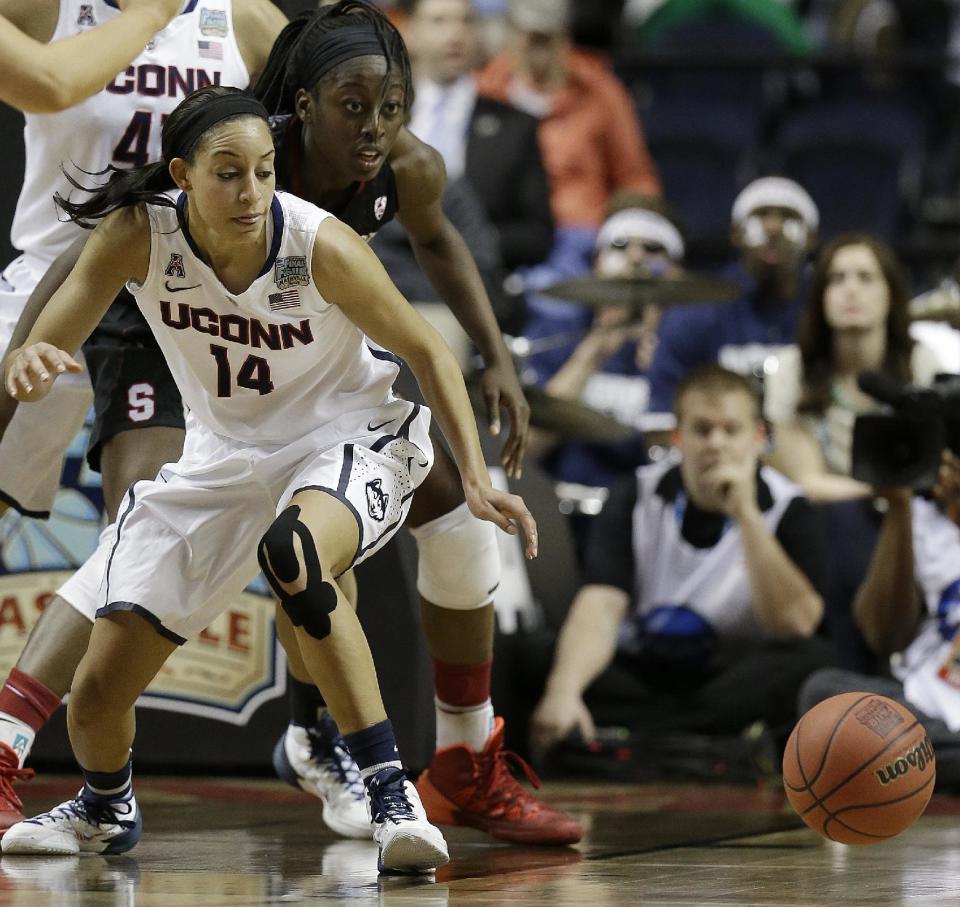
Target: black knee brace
(311, 607)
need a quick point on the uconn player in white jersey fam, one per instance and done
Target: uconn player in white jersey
(216, 41)
(298, 455)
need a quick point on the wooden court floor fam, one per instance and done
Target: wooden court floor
(226, 843)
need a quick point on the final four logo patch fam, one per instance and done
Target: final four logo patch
(213, 22)
(85, 17)
(291, 272)
(174, 267)
(379, 207)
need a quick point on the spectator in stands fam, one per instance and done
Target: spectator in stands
(856, 319)
(908, 609)
(589, 133)
(774, 227)
(492, 145)
(702, 584)
(606, 368)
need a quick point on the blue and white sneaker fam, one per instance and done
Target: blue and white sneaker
(407, 840)
(317, 760)
(78, 826)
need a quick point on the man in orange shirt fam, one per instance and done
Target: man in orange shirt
(590, 137)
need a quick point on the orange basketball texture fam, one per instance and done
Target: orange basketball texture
(859, 768)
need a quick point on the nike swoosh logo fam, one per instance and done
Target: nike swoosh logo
(179, 289)
(372, 427)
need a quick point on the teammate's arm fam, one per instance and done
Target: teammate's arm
(446, 260)
(118, 250)
(43, 78)
(257, 24)
(348, 274)
(42, 293)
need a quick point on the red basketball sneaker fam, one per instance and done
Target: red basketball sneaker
(11, 809)
(463, 787)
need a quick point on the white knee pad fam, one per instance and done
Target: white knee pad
(459, 565)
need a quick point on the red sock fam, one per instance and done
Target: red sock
(27, 699)
(462, 685)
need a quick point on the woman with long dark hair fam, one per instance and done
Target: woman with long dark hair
(856, 320)
(298, 455)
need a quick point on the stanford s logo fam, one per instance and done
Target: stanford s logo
(174, 267)
(377, 500)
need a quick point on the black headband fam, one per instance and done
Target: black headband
(335, 47)
(218, 108)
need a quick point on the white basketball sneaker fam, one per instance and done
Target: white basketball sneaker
(317, 760)
(78, 826)
(408, 842)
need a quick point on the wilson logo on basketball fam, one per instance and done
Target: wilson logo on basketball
(918, 758)
(878, 717)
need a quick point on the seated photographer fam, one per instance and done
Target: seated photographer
(701, 599)
(606, 368)
(908, 607)
(856, 320)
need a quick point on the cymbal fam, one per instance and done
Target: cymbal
(683, 289)
(573, 420)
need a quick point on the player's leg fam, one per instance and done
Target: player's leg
(311, 754)
(139, 423)
(104, 816)
(459, 570)
(138, 427)
(315, 539)
(32, 449)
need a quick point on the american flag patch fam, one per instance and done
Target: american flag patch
(212, 50)
(288, 299)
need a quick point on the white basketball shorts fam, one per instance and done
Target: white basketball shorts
(185, 544)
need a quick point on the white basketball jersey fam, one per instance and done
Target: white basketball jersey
(121, 124)
(713, 582)
(270, 364)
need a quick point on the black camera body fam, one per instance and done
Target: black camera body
(903, 445)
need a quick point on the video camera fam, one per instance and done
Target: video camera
(902, 446)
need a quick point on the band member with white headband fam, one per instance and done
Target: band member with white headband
(774, 225)
(607, 368)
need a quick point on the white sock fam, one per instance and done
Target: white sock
(471, 724)
(17, 735)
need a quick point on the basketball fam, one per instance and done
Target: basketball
(859, 768)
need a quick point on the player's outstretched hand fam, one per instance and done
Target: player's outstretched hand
(505, 510)
(501, 388)
(31, 370)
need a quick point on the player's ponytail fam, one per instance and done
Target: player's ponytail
(182, 135)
